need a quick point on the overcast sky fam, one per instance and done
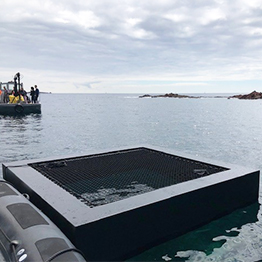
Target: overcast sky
(133, 46)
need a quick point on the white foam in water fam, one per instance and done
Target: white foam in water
(235, 249)
(166, 258)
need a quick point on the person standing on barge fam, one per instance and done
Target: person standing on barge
(6, 95)
(32, 94)
(23, 94)
(36, 93)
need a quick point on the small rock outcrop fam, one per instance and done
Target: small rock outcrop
(252, 95)
(146, 95)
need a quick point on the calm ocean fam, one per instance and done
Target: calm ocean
(228, 130)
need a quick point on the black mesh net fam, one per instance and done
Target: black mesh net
(105, 178)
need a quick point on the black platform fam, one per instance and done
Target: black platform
(106, 178)
(19, 109)
(114, 205)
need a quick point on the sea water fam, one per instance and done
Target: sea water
(222, 129)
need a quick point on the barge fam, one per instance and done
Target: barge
(12, 102)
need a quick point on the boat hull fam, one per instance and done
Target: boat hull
(26, 234)
(20, 109)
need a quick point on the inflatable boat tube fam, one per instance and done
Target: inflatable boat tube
(26, 234)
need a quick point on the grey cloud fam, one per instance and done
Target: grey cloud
(111, 48)
(89, 84)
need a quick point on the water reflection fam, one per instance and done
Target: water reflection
(20, 135)
(220, 240)
(108, 195)
(21, 123)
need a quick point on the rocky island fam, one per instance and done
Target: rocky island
(252, 95)
(168, 95)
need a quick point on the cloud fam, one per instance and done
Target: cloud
(89, 85)
(99, 40)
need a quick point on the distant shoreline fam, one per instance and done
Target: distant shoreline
(251, 96)
(172, 95)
